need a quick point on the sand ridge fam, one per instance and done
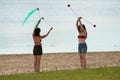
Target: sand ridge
(23, 63)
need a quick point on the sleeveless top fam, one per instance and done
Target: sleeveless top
(82, 37)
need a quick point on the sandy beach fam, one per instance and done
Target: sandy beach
(12, 64)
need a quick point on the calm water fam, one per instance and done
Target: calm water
(16, 38)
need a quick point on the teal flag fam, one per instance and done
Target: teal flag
(29, 14)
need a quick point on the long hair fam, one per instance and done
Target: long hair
(83, 27)
(37, 31)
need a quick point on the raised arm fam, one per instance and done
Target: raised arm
(47, 33)
(78, 22)
(36, 26)
(39, 22)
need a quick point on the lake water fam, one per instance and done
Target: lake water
(17, 39)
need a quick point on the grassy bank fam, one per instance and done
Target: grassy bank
(110, 73)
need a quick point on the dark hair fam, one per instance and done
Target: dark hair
(37, 31)
(79, 27)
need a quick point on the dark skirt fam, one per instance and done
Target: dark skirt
(37, 50)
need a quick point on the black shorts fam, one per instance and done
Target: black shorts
(37, 50)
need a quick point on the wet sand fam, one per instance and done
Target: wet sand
(23, 63)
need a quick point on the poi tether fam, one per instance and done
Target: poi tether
(77, 15)
(29, 14)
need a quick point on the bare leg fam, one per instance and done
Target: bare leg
(35, 62)
(83, 60)
(38, 63)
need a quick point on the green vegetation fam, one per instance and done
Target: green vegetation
(108, 73)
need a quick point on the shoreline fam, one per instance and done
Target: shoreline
(59, 53)
(23, 63)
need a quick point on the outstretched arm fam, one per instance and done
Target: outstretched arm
(47, 33)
